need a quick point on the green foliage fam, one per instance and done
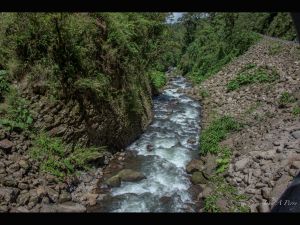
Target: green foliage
(108, 54)
(17, 116)
(223, 160)
(296, 111)
(225, 191)
(4, 85)
(254, 76)
(60, 159)
(158, 79)
(217, 41)
(210, 203)
(286, 98)
(216, 132)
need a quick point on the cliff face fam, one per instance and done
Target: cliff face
(86, 120)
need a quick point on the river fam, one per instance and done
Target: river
(161, 154)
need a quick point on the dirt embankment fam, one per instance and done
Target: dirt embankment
(266, 152)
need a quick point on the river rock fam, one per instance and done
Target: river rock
(296, 134)
(241, 164)
(91, 199)
(263, 207)
(210, 165)
(20, 209)
(3, 208)
(150, 148)
(64, 197)
(70, 207)
(53, 195)
(23, 199)
(8, 194)
(114, 181)
(198, 178)
(130, 175)
(6, 145)
(295, 165)
(194, 165)
(23, 164)
(280, 186)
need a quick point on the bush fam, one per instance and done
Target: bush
(158, 79)
(255, 76)
(4, 85)
(296, 111)
(217, 41)
(17, 116)
(216, 132)
(60, 159)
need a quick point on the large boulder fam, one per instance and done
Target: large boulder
(114, 181)
(130, 175)
(194, 165)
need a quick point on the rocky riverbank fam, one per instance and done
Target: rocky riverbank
(25, 187)
(266, 151)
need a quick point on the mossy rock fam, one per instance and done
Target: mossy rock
(114, 181)
(130, 175)
(198, 178)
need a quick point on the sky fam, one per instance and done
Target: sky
(177, 15)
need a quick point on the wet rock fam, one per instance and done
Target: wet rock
(165, 200)
(6, 145)
(114, 181)
(198, 178)
(241, 164)
(8, 194)
(150, 148)
(130, 175)
(191, 141)
(194, 165)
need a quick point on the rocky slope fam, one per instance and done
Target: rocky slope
(266, 152)
(24, 188)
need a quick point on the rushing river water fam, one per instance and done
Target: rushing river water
(162, 152)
